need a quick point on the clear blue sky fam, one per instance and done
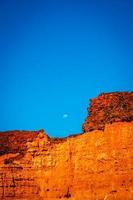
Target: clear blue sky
(56, 55)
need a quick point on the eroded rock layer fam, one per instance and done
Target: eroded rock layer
(108, 108)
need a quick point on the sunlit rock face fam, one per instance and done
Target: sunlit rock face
(94, 165)
(108, 108)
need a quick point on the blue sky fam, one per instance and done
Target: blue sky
(56, 55)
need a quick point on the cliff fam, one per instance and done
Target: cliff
(108, 108)
(96, 165)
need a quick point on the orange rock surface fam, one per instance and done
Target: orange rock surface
(108, 108)
(96, 165)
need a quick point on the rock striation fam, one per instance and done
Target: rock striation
(96, 165)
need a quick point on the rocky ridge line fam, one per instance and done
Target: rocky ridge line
(108, 108)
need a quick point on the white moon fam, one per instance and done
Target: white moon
(65, 115)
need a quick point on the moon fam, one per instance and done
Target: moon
(65, 115)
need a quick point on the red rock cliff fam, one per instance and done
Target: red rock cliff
(94, 165)
(108, 108)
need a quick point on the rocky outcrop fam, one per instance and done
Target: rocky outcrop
(94, 165)
(108, 108)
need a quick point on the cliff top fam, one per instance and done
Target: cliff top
(104, 109)
(108, 108)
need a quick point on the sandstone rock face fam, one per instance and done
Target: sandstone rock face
(96, 165)
(108, 108)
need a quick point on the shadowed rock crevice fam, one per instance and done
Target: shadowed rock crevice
(68, 194)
